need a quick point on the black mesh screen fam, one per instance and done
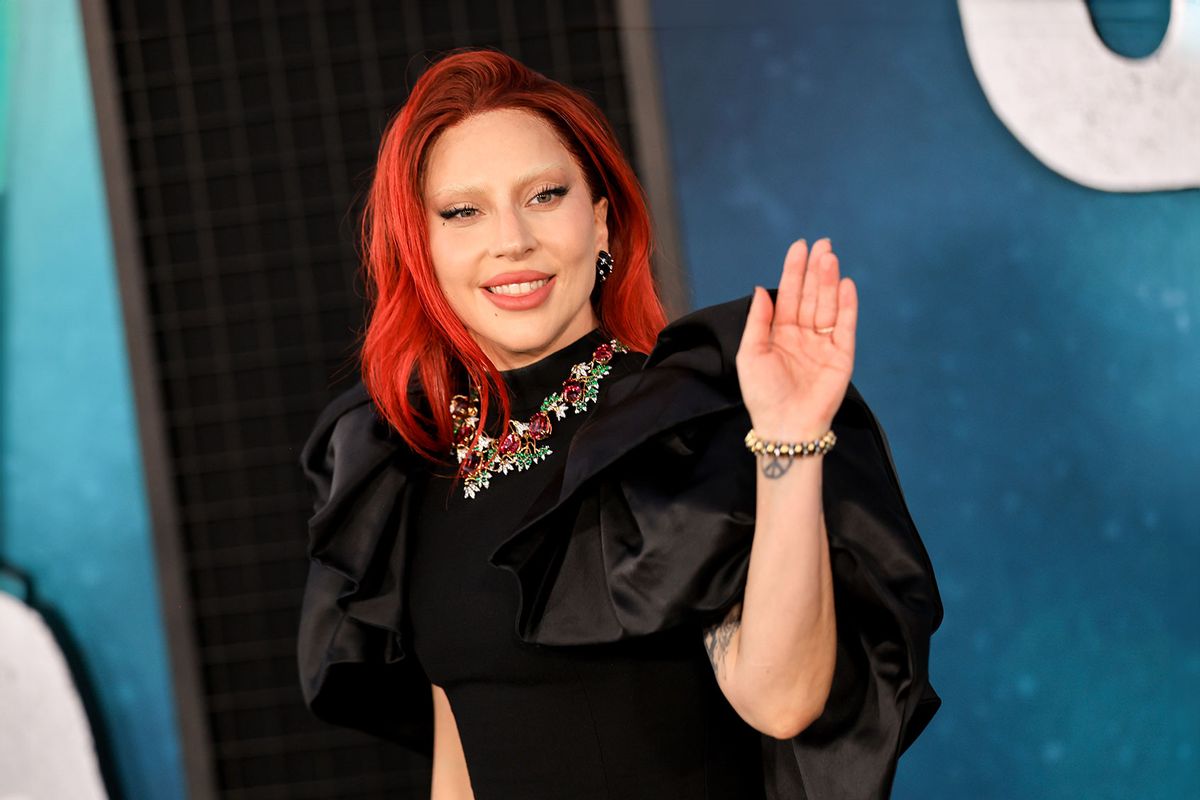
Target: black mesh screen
(252, 127)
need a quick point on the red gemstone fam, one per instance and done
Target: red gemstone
(472, 462)
(461, 407)
(509, 444)
(604, 353)
(464, 435)
(539, 425)
(572, 391)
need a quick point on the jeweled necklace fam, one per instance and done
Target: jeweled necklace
(521, 447)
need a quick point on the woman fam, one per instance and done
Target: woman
(718, 591)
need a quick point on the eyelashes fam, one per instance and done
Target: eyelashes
(557, 191)
(456, 211)
(467, 211)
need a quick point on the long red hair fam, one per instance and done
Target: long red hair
(413, 339)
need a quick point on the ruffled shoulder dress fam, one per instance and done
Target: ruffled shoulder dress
(562, 606)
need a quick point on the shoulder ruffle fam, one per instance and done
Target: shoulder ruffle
(646, 524)
(652, 524)
(353, 669)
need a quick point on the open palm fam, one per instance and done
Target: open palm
(795, 358)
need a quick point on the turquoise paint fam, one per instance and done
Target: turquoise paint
(74, 507)
(1030, 346)
(8, 41)
(1132, 28)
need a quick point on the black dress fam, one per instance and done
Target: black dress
(561, 608)
(639, 718)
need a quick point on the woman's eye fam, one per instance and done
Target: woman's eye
(462, 212)
(547, 194)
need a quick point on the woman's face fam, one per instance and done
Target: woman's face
(508, 207)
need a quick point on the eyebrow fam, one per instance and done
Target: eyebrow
(458, 188)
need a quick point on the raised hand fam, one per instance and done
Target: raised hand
(795, 358)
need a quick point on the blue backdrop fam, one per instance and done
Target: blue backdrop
(1030, 347)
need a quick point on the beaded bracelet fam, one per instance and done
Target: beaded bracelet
(817, 447)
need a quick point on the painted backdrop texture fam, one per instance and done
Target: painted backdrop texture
(1031, 348)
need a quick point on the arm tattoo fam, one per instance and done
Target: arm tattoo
(775, 467)
(717, 638)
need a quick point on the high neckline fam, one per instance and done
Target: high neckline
(529, 385)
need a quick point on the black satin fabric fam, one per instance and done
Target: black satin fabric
(646, 524)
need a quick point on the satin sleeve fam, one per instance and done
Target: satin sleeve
(348, 678)
(888, 606)
(353, 667)
(652, 527)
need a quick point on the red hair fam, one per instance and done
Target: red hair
(413, 337)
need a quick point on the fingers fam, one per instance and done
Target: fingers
(847, 318)
(808, 294)
(825, 273)
(787, 298)
(756, 337)
(812, 295)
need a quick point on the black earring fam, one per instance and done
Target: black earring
(604, 265)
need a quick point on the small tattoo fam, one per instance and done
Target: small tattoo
(776, 467)
(717, 638)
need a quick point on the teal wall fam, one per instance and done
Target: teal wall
(74, 510)
(1030, 346)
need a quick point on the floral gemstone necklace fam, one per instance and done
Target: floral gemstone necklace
(521, 447)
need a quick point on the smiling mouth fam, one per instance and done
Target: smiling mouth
(518, 288)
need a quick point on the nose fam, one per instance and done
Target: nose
(513, 236)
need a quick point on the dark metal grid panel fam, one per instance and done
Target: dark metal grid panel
(251, 131)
